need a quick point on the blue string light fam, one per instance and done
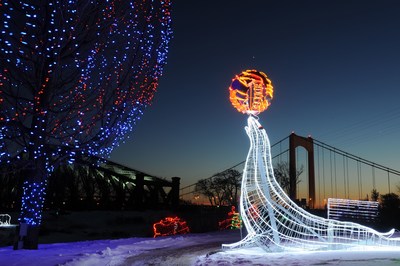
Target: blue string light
(32, 202)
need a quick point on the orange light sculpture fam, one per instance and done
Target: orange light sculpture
(251, 92)
(170, 226)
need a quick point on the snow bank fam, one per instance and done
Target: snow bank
(191, 249)
(257, 256)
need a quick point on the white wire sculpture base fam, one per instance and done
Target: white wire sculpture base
(275, 223)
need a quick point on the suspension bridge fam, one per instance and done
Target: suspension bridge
(327, 172)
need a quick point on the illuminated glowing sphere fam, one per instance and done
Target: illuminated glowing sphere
(251, 92)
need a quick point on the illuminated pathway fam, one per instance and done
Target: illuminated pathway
(275, 223)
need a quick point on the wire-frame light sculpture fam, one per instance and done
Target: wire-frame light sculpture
(5, 219)
(275, 223)
(352, 210)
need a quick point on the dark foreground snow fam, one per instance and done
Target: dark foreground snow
(192, 249)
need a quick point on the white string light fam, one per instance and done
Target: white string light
(352, 209)
(5, 219)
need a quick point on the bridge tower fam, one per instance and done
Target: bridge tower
(308, 144)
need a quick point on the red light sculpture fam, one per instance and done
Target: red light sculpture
(170, 226)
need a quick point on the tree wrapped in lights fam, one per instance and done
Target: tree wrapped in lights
(75, 77)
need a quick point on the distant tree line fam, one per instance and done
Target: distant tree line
(389, 210)
(224, 188)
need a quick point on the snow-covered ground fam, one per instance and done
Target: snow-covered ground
(191, 249)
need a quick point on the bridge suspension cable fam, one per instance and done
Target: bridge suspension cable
(354, 157)
(358, 171)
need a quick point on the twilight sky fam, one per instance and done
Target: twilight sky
(334, 65)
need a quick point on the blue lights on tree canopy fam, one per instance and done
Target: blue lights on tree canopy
(75, 77)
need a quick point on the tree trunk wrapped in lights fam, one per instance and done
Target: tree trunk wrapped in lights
(75, 77)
